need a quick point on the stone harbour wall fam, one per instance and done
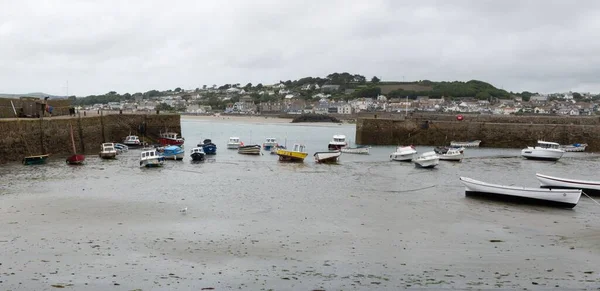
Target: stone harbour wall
(24, 137)
(517, 133)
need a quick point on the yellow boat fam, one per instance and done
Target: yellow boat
(296, 154)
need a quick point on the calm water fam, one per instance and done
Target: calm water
(255, 223)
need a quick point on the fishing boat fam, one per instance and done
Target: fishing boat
(452, 154)
(253, 149)
(35, 160)
(553, 197)
(589, 187)
(170, 138)
(327, 157)
(296, 154)
(173, 152)
(197, 154)
(361, 150)
(132, 141)
(444, 149)
(427, 160)
(269, 143)
(576, 147)
(403, 154)
(121, 148)
(338, 142)
(149, 158)
(466, 144)
(234, 143)
(544, 150)
(209, 147)
(108, 151)
(75, 159)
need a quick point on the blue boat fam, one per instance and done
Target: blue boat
(209, 147)
(173, 153)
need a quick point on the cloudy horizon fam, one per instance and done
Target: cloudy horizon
(102, 46)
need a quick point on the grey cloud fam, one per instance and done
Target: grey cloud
(137, 46)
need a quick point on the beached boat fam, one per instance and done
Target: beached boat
(253, 149)
(107, 151)
(589, 187)
(173, 153)
(149, 158)
(269, 143)
(234, 143)
(121, 148)
(170, 138)
(452, 154)
(75, 159)
(444, 149)
(544, 150)
(296, 154)
(362, 150)
(576, 147)
(208, 147)
(277, 147)
(132, 141)
(327, 157)
(427, 160)
(466, 144)
(403, 154)
(35, 160)
(554, 197)
(338, 142)
(197, 154)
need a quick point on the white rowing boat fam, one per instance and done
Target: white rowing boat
(552, 197)
(590, 187)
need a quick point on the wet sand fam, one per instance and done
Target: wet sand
(253, 223)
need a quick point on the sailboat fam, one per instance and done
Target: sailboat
(75, 159)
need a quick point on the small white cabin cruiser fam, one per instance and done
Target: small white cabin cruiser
(544, 150)
(234, 143)
(452, 154)
(338, 142)
(427, 160)
(403, 154)
(149, 157)
(108, 151)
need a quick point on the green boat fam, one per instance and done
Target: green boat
(35, 160)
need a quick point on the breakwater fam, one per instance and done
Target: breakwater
(24, 137)
(492, 130)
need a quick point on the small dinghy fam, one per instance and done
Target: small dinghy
(361, 150)
(552, 197)
(249, 150)
(427, 160)
(327, 157)
(589, 187)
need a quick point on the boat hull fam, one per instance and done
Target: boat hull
(108, 156)
(402, 157)
(541, 154)
(75, 160)
(549, 182)
(467, 144)
(233, 146)
(198, 157)
(167, 141)
(335, 147)
(209, 149)
(451, 157)
(426, 163)
(290, 156)
(359, 151)
(174, 157)
(35, 160)
(249, 150)
(327, 157)
(152, 163)
(574, 148)
(552, 197)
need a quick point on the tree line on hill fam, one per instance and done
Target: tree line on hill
(362, 87)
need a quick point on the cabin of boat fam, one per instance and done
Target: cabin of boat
(197, 154)
(108, 150)
(338, 142)
(296, 154)
(234, 143)
(149, 157)
(170, 138)
(132, 140)
(269, 143)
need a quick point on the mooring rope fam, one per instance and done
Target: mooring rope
(588, 196)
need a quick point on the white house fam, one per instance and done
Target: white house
(344, 109)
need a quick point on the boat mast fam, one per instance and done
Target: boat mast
(73, 139)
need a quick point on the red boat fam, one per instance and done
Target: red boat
(170, 138)
(75, 159)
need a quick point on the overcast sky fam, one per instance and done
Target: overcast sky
(99, 46)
